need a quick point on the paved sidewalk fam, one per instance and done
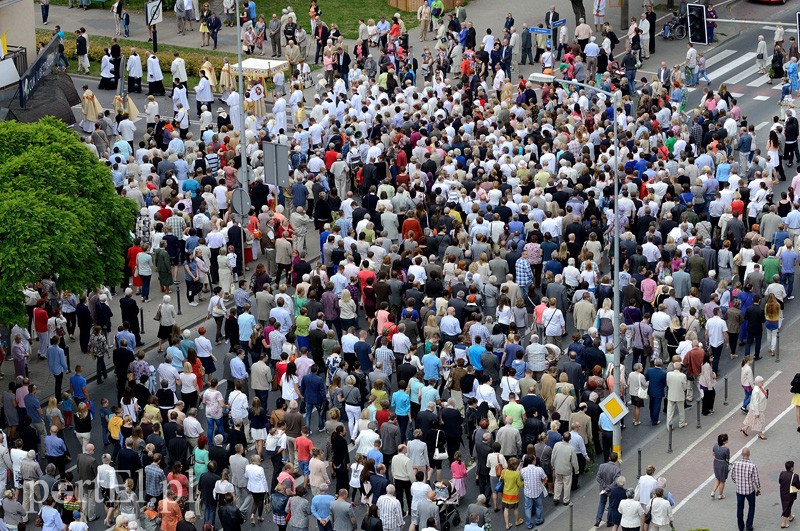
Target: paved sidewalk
(483, 14)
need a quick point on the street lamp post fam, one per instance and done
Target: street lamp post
(544, 78)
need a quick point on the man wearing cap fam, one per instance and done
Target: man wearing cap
(187, 524)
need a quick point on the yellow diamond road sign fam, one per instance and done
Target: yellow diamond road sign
(614, 407)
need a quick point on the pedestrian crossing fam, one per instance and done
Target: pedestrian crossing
(738, 70)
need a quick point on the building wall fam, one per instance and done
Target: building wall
(17, 21)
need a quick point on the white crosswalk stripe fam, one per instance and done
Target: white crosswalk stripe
(742, 59)
(724, 54)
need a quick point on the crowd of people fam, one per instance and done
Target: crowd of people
(458, 325)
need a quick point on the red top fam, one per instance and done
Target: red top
(304, 447)
(40, 320)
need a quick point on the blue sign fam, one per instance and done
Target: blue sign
(559, 22)
(41, 68)
(543, 31)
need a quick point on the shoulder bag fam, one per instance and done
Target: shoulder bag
(439, 455)
(157, 316)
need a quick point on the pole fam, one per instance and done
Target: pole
(639, 464)
(178, 290)
(571, 517)
(725, 400)
(669, 439)
(778, 346)
(623, 17)
(697, 406)
(155, 38)
(141, 321)
(617, 435)
(240, 85)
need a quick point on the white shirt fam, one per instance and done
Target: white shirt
(715, 328)
(256, 479)
(238, 402)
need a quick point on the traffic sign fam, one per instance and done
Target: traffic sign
(240, 202)
(559, 22)
(153, 13)
(543, 31)
(614, 407)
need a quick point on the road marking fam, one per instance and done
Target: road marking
(733, 458)
(737, 94)
(710, 430)
(749, 56)
(724, 54)
(761, 98)
(759, 81)
(762, 125)
(773, 28)
(741, 76)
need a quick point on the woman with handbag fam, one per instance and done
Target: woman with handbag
(722, 461)
(511, 485)
(788, 486)
(638, 390)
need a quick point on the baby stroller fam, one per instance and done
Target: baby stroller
(447, 501)
(616, 71)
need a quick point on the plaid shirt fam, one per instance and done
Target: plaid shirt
(524, 275)
(745, 474)
(385, 356)
(479, 329)
(390, 513)
(177, 224)
(532, 477)
(154, 480)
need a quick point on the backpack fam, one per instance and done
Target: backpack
(606, 327)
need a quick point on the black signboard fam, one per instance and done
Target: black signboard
(41, 68)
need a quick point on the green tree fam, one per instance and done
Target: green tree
(59, 214)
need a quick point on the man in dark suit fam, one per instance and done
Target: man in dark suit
(656, 389)
(551, 16)
(379, 481)
(129, 311)
(452, 420)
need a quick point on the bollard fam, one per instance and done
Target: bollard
(571, 516)
(698, 413)
(639, 464)
(141, 321)
(669, 439)
(178, 296)
(725, 401)
(778, 346)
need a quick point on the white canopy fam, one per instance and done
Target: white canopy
(253, 67)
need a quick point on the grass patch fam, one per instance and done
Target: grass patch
(192, 56)
(344, 14)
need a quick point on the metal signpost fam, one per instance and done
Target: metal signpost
(154, 15)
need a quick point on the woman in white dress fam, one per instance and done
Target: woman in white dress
(225, 277)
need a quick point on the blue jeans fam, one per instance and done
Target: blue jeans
(534, 506)
(209, 513)
(45, 12)
(631, 75)
(700, 74)
(145, 286)
(787, 279)
(751, 510)
(220, 429)
(750, 339)
(747, 396)
(326, 527)
(309, 408)
(601, 506)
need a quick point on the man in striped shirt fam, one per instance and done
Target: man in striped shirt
(389, 510)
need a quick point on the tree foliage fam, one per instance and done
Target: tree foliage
(59, 214)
